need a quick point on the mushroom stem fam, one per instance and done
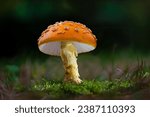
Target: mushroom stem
(68, 55)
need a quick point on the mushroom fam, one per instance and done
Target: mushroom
(67, 39)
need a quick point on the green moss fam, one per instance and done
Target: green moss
(58, 89)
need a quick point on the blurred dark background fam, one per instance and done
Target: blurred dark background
(119, 24)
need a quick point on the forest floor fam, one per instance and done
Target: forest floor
(105, 76)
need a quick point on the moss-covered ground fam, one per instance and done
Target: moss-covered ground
(125, 75)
